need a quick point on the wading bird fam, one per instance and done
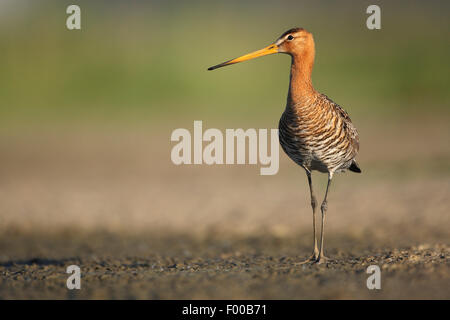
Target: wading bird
(315, 132)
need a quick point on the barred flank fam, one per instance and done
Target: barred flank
(319, 135)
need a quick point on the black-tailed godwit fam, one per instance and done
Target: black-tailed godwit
(315, 132)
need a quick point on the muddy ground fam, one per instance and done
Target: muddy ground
(140, 227)
(263, 267)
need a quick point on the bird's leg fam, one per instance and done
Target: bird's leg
(313, 206)
(324, 207)
(315, 254)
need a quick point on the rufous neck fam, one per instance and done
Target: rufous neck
(300, 86)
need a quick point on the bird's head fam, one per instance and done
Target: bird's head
(296, 42)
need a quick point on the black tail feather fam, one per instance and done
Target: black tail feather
(354, 167)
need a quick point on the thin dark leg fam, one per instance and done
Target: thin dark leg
(324, 208)
(313, 206)
(315, 254)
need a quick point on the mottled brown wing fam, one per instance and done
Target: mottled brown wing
(348, 126)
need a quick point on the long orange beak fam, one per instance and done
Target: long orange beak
(273, 48)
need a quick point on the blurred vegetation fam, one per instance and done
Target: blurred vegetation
(134, 60)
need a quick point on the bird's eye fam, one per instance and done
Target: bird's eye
(290, 37)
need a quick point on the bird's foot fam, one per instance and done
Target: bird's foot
(322, 259)
(312, 259)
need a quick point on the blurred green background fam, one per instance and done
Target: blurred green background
(85, 170)
(146, 60)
